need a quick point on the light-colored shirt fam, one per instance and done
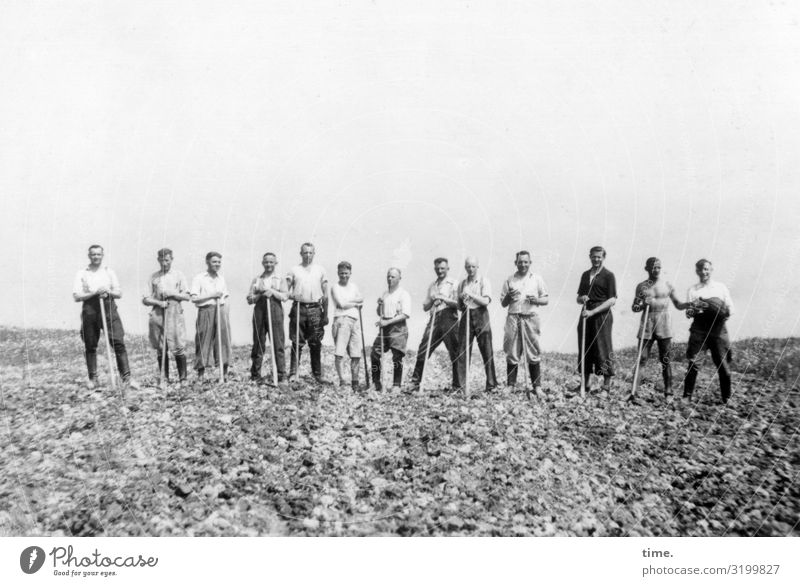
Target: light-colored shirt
(307, 282)
(480, 287)
(396, 303)
(709, 290)
(273, 282)
(172, 283)
(89, 281)
(204, 285)
(347, 294)
(529, 284)
(447, 288)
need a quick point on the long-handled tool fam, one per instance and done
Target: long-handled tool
(468, 350)
(219, 343)
(583, 353)
(428, 348)
(108, 343)
(363, 349)
(270, 332)
(162, 375)
(523, 359)
(639, 353)
(297, 339)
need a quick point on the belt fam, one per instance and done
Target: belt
(308, 303)
(524, 315)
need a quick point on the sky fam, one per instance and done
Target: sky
(391, 133)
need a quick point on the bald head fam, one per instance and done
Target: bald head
(471, 266)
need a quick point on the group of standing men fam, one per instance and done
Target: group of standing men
(459, 317)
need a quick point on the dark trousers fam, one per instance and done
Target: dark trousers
(664, 349)
(445, 330)
(719, 345)
(311, 331)
(480, 329)
(92, 325)
(397, 364)
(261, 326)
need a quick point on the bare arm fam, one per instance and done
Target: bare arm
(607, 304)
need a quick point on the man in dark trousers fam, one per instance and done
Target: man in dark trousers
(308, 284)
(710, 305)
(442, 302)
(268, 288)
(94, 285)
(597, 292)
(475, 295)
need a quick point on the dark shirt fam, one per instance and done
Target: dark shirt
(603, 287)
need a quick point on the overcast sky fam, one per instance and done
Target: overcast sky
(389, 133)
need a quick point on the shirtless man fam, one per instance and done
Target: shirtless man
(655, 293)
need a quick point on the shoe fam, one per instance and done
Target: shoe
(356, 387)
(396, 389)
(669, 400)
(91, 384)
(378, 387)
(321, 381)
(491, 389)
(293, 378)
(130, 383)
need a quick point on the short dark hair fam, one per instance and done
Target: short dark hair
(520, 253)
(648, 264)
(344, 265)
(212, 254)
(439, 260)
(699, 264)
(304, 244)
(269, 254)
(598, 249)
(95, 246)
(164, 252)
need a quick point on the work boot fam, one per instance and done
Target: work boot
(91, 365)
(535, 370)
(180, 363)
(511, 375)
(165, 374)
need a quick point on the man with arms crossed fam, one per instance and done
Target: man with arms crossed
(166, 289)
(443, 298)
(710, 304)
(347, 300)
(207, 290)
(94, 285)
(308, 284)
(522, 293)
(267, 288)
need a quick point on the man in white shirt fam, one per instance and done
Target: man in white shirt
(475, 294)
(166, 289)
(94, 285)
(347, 300)
(268, 288)
(308, 285)
(394, 309)
(710, 304)
(207, 290)
(443, 298)
(522, 293)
